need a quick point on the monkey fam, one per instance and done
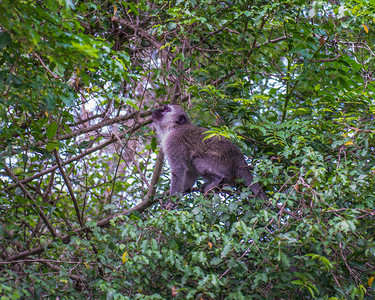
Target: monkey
(190, 156)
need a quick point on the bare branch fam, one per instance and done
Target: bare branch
(279, 39)
(99, 125)
(83, 154)
(32, 201)
(155, 176)
(45, 67)
(70, 189)
(66, 238)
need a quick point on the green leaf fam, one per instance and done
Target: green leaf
(172, 26)
(51, 130)
(154, 143)
(52, 146)
(298, 282)
(227, 248)
(133, 8)
(5, 39)
(86, 49)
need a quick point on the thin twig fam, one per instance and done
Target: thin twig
(83, 154)
(144, 179)
(355, 128)
(45, 67)
(58, 269)
(103, 223)
(70, 189)
(28, 195)
(119, 119)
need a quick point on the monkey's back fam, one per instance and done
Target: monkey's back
(216, 152)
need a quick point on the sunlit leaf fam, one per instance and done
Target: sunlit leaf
(125, 257)
(51, 130)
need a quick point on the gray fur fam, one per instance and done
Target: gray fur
(215, 159)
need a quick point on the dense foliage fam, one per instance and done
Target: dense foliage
(81, 178)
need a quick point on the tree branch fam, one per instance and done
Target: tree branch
(139, 31)
(279, 39)
(32, 201)
(155, 176)
(45, 67)
(66, 238)
(70, 189)
(99, 125)
(83, 154)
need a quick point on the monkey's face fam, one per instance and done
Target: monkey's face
(158, 114)
(168, 117)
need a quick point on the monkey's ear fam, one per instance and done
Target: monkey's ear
(181, 120)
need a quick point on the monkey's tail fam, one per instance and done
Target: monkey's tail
(254, 187)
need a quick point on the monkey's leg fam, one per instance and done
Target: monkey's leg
(212, 171)
(177, 179)
(255, 187)
(212, 181)
(191, 177)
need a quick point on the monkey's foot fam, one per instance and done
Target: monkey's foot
(169, 205)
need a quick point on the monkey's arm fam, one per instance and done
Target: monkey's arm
(178, 177)
(258, 191)
(254, 187)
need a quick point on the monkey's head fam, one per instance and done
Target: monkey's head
(169, 117)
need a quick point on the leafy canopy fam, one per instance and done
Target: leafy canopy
(291, 82)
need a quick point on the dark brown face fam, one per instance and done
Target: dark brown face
(169, 116)
(158, 114)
